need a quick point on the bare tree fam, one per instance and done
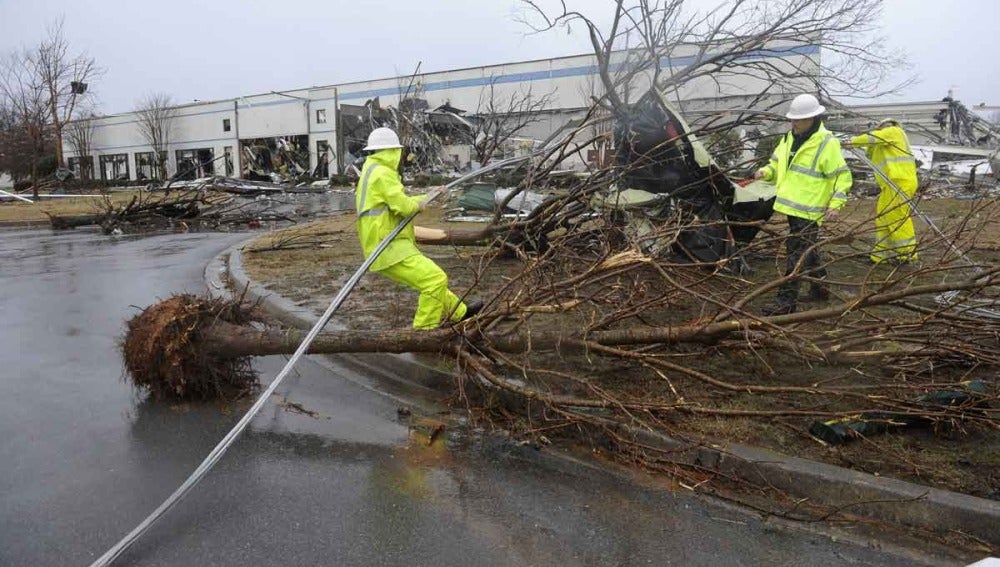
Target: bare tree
(80, 133)
(412, 123)
(737, 41)
(499, 118)
(155, 115)
(25, 112)
(601, 125)
(65, 78)
(409, 106)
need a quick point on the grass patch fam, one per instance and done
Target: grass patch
(63, 206)
(957, 459)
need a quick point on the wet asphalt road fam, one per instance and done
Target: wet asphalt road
(83, 459)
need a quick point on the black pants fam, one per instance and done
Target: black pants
(803, 234)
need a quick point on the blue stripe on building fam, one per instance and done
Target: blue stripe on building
(584, 70)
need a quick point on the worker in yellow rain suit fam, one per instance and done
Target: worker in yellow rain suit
(381, 205)
(812, 181)
(889, 149)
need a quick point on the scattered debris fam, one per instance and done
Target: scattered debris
(838, 431)
(660, 156)
(140, 211)
(228, 185)
(277, 160)
(523, 202)
(295, 407)
(207, 203)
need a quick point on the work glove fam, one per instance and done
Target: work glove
(434, 194)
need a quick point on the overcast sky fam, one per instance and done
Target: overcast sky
(212, 49)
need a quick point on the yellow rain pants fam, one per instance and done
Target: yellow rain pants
(421, 274)
(895, 238)
(889, 149)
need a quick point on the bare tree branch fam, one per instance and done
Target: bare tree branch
(155, 117)
(498, 118)
(65, 77)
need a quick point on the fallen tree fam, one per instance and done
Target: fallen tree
(199, 206)
(599, 314)
(186, 335)
(142, 210)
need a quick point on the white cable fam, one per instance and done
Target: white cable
(220, 449)
(16, 196)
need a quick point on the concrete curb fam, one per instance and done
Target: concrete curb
(853, 492)
(424, 371)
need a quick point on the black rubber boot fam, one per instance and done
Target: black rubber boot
(472, 309)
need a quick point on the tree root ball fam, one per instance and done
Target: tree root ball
(163, 354)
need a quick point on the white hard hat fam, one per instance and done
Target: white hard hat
(382, 139)
(804, 106)
(888, 122)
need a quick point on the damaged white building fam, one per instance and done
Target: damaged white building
(306, 130)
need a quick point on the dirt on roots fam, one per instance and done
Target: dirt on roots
(162, 353)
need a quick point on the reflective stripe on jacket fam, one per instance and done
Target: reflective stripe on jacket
(815, 180)
(381, 205)
(889, 149)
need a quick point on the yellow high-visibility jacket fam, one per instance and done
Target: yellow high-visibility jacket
(817, 178)
(381, 205)
(889, 150)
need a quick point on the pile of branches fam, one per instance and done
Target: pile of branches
(686, 332)
(143, 211)
(197, 207)
(911, 327)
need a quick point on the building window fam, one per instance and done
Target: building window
(227, 126)
(82, 167)
(114, 167)
(321, 116)
(322, 159)
(228, 152)
(194, 164)
(147, 166)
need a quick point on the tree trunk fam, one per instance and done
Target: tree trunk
(228, 340)
(34, 181)
(59, 145)
(65, 222)
(453, 236)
